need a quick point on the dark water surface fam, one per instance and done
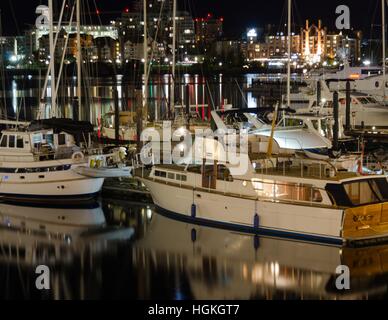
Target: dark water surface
(115, 249)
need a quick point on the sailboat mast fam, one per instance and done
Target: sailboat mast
(52, 61)
(79, 56)
(383, 43)
(289, 55)
(172, 97)
(145, 50)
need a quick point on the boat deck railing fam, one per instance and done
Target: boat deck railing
(297, 193)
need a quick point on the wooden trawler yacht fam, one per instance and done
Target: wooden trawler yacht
(43, 162)
(278, 195)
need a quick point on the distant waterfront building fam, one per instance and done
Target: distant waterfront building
(17, 50)
(314, 44)
(208, 29)
(92, 38)
(160, 28)
(318, 44)
(227, 51)
(274, 47)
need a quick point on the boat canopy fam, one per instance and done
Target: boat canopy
(62, 125)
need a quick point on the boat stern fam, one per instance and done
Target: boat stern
(366, 223)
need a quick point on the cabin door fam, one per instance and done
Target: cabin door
(209, 175)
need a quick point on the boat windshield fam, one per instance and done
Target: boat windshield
(238, 121)
(292, 123)
(371, 100)
(360, 193)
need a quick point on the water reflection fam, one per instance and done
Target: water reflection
(69, 241)
(23, 94)
(219, 264)
(126, 250)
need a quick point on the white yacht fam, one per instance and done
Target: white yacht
(282, 196)
(365, 110)
(43, 163)
(288, 135)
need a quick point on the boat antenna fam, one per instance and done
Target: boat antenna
(79, 56)
(383, 43)
(172, 96)
(2, 73)
(145, 52)
(289, 55)
(52, 58)
(270, 142)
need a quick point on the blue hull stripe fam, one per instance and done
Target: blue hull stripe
(26, 199)
(248, 229)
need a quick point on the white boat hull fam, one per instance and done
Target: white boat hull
(273, 218)
(48, 186)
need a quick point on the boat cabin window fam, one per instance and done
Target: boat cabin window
(49, 138)
(181, 177)
(61, 139)
(371, 100)
(11, 142)
(161, 174)
(363, 100)
(287, 191)
(223, 173)
(370, 72)
(315, 124)
(19, 142)
(4, 141)
(43, 169)
(171, 176)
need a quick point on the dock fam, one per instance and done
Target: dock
(125, 187)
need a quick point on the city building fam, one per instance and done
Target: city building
(208, 29)
(228, 51)
(318, 44)
(314, 44)
(160, 28)
(15, 50)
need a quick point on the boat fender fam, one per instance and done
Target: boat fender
(193, 210)
(256, 242)
(77, 156)
(256, 221)
(193, 235)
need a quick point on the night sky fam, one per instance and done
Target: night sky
(238, 14)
